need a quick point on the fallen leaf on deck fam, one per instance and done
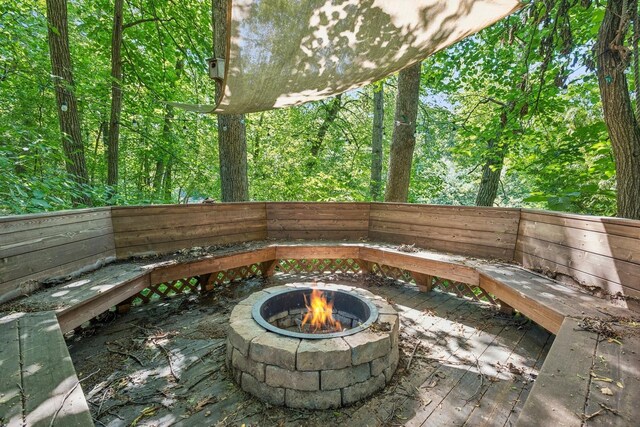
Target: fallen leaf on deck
(603, 379)
(619, 384)
(606, 391)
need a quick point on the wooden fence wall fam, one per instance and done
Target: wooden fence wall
(326, 221)
(595, 251)
(144, 230)
(481, 232)
(46, 246)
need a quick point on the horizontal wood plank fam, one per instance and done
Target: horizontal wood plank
(452, 220)
(185, 218)
(38, 261)
(585, 279)
(317, 252)
(615, 226)
(476, 250)
(16, 223)
(106, 297)
(317, 224)
(610, 245)
(352, 235)
(607, 268)
(22, 242)
(151, 236)
(171, 246)
(425, 231)
(145, 210)
(421, 264)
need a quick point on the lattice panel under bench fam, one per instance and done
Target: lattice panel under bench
(208, 282)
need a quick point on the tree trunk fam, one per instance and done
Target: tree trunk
(68, 116)
(376, 142)
(232, 139)
(332, 108)
(491, 171)
(116, 98)
(233, 157)
(613, 58)
(404, 135)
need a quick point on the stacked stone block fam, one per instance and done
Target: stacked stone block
(312, 373)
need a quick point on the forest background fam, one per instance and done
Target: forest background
(512, 116)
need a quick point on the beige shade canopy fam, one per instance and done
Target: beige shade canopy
(286, 52)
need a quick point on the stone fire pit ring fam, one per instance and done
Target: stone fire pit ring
(312, 373)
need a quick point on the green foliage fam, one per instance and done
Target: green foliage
(522, 87)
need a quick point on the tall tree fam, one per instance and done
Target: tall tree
(116, 97)
(330, 111)
(68, 117)
(404, 135)
(376, 141)
(613, 59)
(232, 135)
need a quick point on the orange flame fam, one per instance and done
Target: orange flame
(320, 314)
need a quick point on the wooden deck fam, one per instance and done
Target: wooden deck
(469, 364)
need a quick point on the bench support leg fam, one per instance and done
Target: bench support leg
(505, 308)
(206, 282)
(365, 266)
(424, 281)
(124, 306)
(268, 268)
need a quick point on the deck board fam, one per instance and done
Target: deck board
(619, 363)
(10, 378)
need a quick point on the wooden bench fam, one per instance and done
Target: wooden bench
(554, 306)
(586, 378)
(38, 383)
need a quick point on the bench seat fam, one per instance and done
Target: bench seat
(564, 392)
(38, 383)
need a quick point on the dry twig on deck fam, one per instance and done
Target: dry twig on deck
(127, 354)
(64, 399)
(413, 353)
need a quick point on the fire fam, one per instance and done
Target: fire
(320, 314)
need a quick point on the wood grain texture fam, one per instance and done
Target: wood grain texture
(43, 246)
(10, 375)
(482, 232)
(560, 392)
(53, 395)
(167, 228)
(621, 364)
(594, 251)
(318, 221)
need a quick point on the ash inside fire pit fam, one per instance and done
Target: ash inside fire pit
(277, 354)
(314, 314)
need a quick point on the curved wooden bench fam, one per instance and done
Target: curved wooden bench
(552, 305)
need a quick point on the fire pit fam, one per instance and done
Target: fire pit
(318, 348)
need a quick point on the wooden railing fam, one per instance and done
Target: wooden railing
(593, 251)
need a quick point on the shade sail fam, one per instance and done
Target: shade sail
(287, 52)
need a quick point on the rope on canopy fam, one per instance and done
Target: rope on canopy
(284, 53)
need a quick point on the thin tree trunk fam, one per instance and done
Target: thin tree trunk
(636, 55)
(491, 171)
(167, 180)
(116, 98)
(376, 142)
(232, 138)
(159, 181)
(613, 59)
(331, 114)
(68, 116)
(404, 135)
